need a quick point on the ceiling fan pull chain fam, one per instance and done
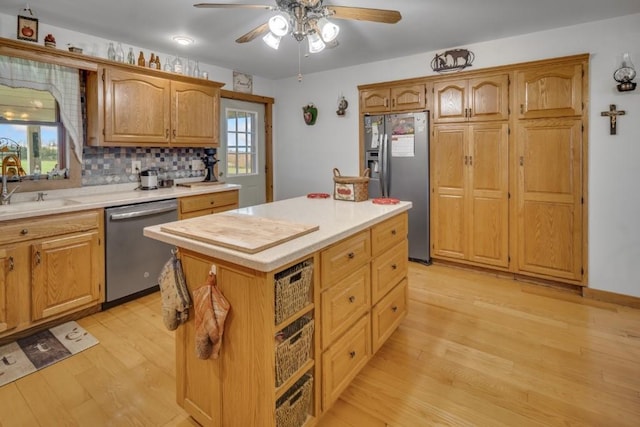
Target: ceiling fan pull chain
(299, 65)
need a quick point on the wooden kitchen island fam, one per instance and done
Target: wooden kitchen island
(352, 272)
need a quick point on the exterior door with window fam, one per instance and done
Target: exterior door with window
(241, 156)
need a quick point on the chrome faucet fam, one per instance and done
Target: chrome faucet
(5, 198)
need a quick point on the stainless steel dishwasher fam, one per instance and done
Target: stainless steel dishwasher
(133, 261)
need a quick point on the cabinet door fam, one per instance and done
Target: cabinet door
(488, 194)
(550, 91)
(136, 108)
(8, 290)
(450, 101)
(449, 174)
(549, 197)
(489, 98)
(375, 100)
(67, 273)
(194, 114)
(408, 97)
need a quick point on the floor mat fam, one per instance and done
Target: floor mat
(42, 349)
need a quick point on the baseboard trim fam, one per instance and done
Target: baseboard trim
(611, 297)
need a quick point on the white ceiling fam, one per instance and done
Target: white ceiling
(426, 25)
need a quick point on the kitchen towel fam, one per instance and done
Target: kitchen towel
(174, 292)
(211, 309)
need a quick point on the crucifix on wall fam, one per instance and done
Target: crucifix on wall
(613, 114)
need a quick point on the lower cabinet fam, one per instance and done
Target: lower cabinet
(8, 290)
(51, 267)
(206, 204)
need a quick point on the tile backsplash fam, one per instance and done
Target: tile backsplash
(112, 165)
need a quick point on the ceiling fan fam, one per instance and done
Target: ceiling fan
(306, 18)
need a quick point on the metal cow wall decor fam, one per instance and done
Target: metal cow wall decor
(452, 60)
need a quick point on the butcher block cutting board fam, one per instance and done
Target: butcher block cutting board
(241, 232)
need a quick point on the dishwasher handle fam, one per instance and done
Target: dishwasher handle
(142, 213)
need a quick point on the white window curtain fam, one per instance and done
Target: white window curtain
(62, 82)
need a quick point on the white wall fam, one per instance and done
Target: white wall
(305, 155)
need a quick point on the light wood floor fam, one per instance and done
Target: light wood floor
(474, 350)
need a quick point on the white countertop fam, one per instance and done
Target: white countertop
(23, 205)
(336, 219)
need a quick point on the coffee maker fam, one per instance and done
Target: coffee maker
(209, 160)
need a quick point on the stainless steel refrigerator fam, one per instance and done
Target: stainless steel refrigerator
(396, 149)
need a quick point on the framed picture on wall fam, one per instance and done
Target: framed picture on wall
(28, 28)
(242, 82)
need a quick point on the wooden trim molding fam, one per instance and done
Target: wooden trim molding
(611, 297)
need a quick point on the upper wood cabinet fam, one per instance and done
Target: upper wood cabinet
(549, 91)
(477, 99)
(394, 98)
(129, 108)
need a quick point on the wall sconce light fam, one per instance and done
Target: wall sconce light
(625, 74)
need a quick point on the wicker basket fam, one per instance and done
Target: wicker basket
(295, 349)
(292, 289)
(292, 408)
(351, 188)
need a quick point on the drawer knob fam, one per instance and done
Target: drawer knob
(394, 232)
(24, 231)
(212, 202)
(394, 266)
(352, 299)
(394, 308)
(351, 255)
(352, 354)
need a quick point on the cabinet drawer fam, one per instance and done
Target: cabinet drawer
(345, 256)
(389, 233)
(344, 359)
(29, 229)
(387, 314)
(208, 201)
(345, 302)
(388, 269)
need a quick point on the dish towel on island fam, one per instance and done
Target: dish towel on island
(175, 295)
(211, 309)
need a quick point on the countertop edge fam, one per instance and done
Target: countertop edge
(278, 256)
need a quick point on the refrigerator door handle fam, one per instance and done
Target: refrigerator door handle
(381, 165)
(384, 179)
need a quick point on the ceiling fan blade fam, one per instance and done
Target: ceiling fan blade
(225, 5)
(365, 14)
(256, 32)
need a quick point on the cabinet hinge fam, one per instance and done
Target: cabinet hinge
(582, 128)
(508, 195)
(103, 134)
(582, 200)
(508, 131)
(102, 75)
(508, 258)
(581, 271)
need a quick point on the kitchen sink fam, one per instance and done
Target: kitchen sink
(17, 207)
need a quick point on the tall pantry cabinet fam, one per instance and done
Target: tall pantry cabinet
(508, 166)
(469, 170)
(550, 169)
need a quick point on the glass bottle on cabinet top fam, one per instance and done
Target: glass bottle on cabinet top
(196, 70)
(167, 65)
(131, 58)
(177, 65)
(141, 61)
(111, 52)
(119, 53)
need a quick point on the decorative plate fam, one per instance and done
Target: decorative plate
(385, 201)
(318, 195)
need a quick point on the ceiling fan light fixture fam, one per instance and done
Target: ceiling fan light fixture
(272, 40)
(316, 44)
(279, 25)
(328, 30)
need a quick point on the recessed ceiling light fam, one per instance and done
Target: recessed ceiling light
(183, 40)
